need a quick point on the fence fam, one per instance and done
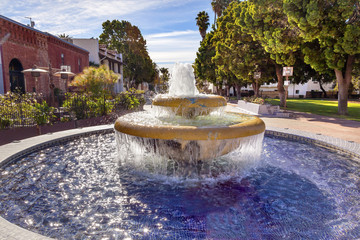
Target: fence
(17, 110)
(21, 110)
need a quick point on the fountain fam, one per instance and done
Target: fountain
(69, 185)
(188, 127)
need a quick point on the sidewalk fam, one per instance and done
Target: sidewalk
(334, 127)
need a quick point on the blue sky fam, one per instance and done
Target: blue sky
(168, 26)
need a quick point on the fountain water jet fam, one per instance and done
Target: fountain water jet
(188, 128)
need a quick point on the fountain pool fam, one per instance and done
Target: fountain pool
(77, 190)
(191, 172)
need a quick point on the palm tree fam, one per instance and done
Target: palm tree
(219, 6)
(202, 20)
(165, 75)
(63, 36)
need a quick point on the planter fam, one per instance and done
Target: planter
(254, 108)
(14, 134)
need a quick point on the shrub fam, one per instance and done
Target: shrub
(18, 109)
(42, 113)
(96, 80)
(254, 99)
(84, 106)
(131, 99)
(81, 106)
(103, 106)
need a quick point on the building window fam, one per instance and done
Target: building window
(297, 91)
(79, 64)
(62, 59)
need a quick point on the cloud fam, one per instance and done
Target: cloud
(170, 34)
(167, 25)
(60, 15)
(171, 47)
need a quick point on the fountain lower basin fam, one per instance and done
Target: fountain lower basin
(192, 140)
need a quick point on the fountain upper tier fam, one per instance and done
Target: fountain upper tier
(190, 107)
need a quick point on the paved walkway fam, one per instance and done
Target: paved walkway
(334, 127)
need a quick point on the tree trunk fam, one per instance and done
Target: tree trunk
(343, 85)
(255, 86)
(322, 89)
(227, 89)
(238, 91)
(280, 85)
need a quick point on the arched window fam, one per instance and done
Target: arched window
(17, 82)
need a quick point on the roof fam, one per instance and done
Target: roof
(109, 53)
(36, 30)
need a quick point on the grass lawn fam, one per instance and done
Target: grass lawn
(321, 107)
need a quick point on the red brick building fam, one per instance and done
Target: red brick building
(26, 47)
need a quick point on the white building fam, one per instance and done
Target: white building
(294, 90)
(99, 55)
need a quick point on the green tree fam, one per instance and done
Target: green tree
(202, 21)
(238, 54)
(127, 39)
(335, 27)
(165, 75)
(98, 81)
(156, 73)
(204, 68)
(303, 72)
(356, 83)
(164, 79)
(266, 22)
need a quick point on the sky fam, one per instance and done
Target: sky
(168, 26)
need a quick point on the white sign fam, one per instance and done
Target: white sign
(257, 75)
(287, 71)
(65, 68)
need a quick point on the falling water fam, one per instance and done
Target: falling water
(182, 82)
(153, 156)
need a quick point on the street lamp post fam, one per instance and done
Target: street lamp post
(35, 72)
(65, 74)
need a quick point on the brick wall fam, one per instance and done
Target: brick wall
(30, 46)
(72, 56)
